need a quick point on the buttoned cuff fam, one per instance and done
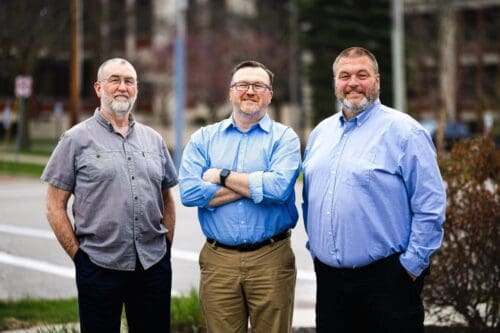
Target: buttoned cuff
(255, 186)
(412, 263)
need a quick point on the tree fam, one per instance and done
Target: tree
(219, 39)
(331, 26)
(465, 272)
(30, 30)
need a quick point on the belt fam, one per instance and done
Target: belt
(251, 247)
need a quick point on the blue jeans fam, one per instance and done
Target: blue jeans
(103, 292)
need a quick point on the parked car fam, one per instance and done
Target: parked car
(453, 131)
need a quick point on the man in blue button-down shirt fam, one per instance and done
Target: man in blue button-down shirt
(240, 173)
(374, 204)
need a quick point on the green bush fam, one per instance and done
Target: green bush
(465, 272)
(186, 314)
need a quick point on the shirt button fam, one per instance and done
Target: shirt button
(133, 177)
(240, 203)
(242, 222)
(135, 198)
(129, 158)
(327, 213)
(136, 218)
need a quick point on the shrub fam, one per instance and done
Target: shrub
(465, 273)
(186, 314)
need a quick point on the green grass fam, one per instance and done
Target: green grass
(21, 169)
(31, 312)
(39, 147)
(186, 314)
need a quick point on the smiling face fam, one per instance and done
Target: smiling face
(250, 103)
(357, 84)
(117, 88)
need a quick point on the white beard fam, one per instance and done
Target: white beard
(119, 108)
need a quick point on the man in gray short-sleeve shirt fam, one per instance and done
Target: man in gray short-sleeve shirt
(120, 174)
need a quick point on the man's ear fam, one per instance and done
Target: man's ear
(97, 88)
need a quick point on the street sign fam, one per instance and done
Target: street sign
(23, 86)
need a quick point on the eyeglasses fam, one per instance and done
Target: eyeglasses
(244, 86)
(115, 80)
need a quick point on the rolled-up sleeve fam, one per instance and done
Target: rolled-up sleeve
(195, 192)
(275, 184)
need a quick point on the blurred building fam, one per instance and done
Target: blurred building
(143, 31)
(452, 56)
(453, 59)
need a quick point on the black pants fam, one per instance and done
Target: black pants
(380, 297)
(103, 292)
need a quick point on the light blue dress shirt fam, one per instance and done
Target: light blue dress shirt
(270, 153)
(372, 188)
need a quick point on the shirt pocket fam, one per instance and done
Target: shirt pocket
(154, 165)
(99, 166)
(360, 170)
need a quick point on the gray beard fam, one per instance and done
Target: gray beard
(355, 109)
(120, 109)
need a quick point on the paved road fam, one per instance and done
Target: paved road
(33, 264)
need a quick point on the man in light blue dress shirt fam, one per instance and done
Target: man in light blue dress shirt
(240, 173)
(374, 205)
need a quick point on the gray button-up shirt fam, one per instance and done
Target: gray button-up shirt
(117, 184)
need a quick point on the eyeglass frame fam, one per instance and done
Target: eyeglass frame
(122, 79)
(266, 86)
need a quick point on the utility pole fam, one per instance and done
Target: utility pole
(75, 70)
(293, 74)
(179, 78)
(398, 68)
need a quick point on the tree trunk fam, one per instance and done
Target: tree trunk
(447, 71)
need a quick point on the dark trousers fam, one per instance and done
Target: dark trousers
(380, 297)
(102, 293)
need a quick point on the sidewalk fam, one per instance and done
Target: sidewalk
(75, 328)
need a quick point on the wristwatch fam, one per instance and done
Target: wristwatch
(224, 173)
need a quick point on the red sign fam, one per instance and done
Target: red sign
(23, 86)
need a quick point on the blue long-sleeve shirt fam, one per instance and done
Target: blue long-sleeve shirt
(372, 188)
(269, 153)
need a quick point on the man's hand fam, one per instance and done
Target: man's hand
(212, 176)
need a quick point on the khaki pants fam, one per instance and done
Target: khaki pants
(257, 285)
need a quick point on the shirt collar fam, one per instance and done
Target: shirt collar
(264, 123)
(361, 118)
(107, 124)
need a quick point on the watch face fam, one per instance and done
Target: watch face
(224, 173)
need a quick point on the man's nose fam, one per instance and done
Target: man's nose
(353, 81)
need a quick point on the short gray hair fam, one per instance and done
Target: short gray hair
(100, 71)
(354, 52)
